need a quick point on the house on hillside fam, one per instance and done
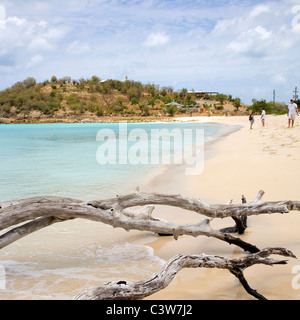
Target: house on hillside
(200, 93)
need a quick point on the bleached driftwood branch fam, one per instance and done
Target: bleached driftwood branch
(38, 212)
(254, 207)
(123, 290)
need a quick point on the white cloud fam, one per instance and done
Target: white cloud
(280, 79)
(15, 21)
(157, 39)
(40, 44)
(225, 26)
(37, 59)
(257, 11)
(77, 47)
(25, 43)
(253, 42)
(261, 33)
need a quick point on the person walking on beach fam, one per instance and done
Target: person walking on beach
(292, 111)
(251, 119)
(263, 117)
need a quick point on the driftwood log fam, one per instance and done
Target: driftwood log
(39, 212)
(123, 290)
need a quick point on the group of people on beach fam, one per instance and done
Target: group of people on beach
(292, 112)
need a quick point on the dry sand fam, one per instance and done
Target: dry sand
(244, 162)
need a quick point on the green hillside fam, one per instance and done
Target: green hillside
(94, 99)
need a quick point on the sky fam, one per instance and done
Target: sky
(240, 47)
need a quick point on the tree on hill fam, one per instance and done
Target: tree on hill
(257, 106)
(221, 98)
(171, 110)
(237, 103)
(29, 82)
(269, 107)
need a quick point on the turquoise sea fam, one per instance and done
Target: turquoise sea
(59, 261)
(60, 159)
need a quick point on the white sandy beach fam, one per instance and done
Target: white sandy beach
(244, 162)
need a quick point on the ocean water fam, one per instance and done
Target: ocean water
(61, 159)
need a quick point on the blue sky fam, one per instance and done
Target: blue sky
(244, 48)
